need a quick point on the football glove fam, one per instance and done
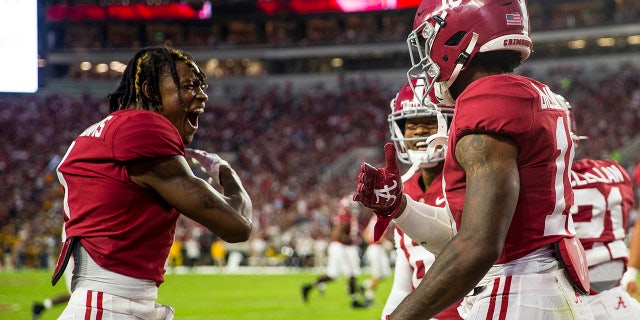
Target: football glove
(380, 189)
(211, 162)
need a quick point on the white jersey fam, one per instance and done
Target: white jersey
(604, 198)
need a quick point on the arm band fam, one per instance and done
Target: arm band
(428, 225)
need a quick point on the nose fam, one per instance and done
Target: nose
(201, 94)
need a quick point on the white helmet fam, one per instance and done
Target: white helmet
(412, 101)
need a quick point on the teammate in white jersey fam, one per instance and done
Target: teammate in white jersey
(376, 257)
(604, 198)
(420, 136)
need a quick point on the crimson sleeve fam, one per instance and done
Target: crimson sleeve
(147, 135)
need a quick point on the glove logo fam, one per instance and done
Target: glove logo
(386, 193)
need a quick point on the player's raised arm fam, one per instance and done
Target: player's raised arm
(380, 189)
(228, 215)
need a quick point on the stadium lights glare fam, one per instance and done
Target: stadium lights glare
(102, 68)
(577, 44)
(212, 68)
(85, 66)
(117, 66)
(633, 39)
(337, 62)
(254, 68)
(606, 42)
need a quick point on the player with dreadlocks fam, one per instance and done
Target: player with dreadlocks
(126, 182)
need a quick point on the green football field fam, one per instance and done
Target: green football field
(209, 296)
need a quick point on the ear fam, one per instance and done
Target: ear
(147, 91)
(150, 96)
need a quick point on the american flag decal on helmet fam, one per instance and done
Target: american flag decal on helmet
(514, 19)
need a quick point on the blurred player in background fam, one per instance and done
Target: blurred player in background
(343, 257)
(604, 198)
(127, 181)
(419, 134)
(40, 307)
(506, 174)
(376, 257)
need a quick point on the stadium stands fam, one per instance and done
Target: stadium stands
(297, 139)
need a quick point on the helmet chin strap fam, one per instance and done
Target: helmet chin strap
(442, 94)
(407, 175)
(442, 88)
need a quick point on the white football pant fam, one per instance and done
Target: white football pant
(534, 296)
(614, 303)
(95, 305)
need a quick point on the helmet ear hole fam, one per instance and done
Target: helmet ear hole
(455, 39)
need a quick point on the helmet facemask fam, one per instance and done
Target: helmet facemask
(420, 42)
(423, 67)
(435, 144)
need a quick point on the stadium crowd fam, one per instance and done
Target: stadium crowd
(287, 148)
(290, 30)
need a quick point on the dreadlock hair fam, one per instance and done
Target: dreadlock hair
(149, 65)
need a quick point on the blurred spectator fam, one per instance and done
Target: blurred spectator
(218, 253)
(294, 150)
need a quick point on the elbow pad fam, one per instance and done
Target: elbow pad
(432, 227)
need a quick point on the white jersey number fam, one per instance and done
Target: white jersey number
(556, 223)
(595, 225)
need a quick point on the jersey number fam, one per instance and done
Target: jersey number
(556, 223)
(594, 227)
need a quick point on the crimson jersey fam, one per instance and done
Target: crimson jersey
(419, 258)
(636, 174)
(527, 112)
(603, 200)
(124, 227)
(345, 227)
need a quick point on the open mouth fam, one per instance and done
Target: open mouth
(192, 117)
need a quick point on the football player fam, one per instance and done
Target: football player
(376, 256)
(38, 308)
(513, 253)
(419, 134)
(604, 198)
(343, 257)
(126, 182)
